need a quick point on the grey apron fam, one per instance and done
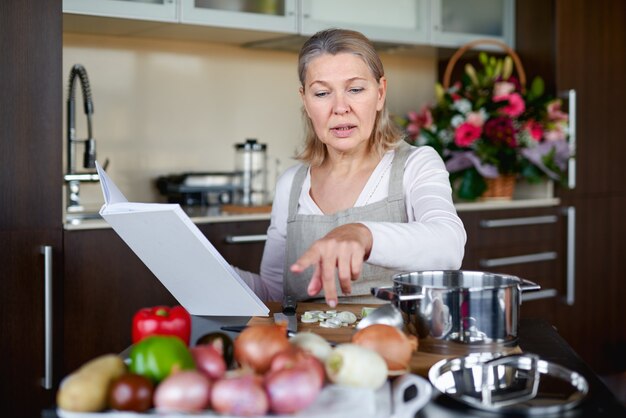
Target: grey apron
(303, 230)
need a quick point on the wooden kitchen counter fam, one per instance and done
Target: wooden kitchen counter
(429, 351)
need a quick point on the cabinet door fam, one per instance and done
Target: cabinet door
(240, 243)
(528, 243)
(30, 311)
(265, 15)
(456, 22)
(156, 10)
(105, 283)
(403, 21)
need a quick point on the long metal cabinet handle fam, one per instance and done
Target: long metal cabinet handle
(46, 381)
(239, 239)
(529, 220)
(570, 290)
(518, 259)
(570, 95)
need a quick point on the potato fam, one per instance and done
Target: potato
(86, 390)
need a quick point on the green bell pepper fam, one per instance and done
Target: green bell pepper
(157, 356)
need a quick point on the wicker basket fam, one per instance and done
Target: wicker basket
(499, 188)
(462, 50)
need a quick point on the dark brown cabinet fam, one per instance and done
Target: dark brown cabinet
(530, 243)
(579, 44)
(105, 283)
(30, 203)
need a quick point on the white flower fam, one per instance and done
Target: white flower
(462, 105)
(456, 121)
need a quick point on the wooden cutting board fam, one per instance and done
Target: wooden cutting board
(429, 352)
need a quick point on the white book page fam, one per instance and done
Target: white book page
(179, 255)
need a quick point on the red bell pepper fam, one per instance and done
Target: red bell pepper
(162, 320)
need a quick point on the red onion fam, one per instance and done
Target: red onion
(257, 344)
(292, 389)
(185, 391)
(298, 357)
(240, 395)
(209, 361)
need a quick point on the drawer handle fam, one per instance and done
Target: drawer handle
(239, 239)
(539, 294)
(530, 220)
(570, 293)
(518, 259)
(46, 381)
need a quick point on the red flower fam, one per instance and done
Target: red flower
(535, 129)
(466, 134)
(500, 129)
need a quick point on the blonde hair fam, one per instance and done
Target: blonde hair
(385, 134)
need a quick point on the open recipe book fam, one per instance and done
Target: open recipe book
(179, 255)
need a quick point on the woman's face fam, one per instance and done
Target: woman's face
(342, 98)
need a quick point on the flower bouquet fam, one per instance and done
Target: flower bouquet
(488, 126)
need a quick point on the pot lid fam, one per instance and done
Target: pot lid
(519, 383)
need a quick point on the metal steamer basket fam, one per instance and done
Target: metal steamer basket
(472, 308)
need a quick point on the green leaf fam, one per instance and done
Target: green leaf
(482, 57)
(536, 88)
(472, 185)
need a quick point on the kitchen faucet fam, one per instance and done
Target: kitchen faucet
(73, 178)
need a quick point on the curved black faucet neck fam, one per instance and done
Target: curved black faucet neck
(78, 71)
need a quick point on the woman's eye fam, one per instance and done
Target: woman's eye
(356, 89)
(321, 94)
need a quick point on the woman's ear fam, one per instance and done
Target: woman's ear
(382, 93)
(301, 90)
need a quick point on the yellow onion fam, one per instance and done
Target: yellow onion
(257, 344)
(393, 345)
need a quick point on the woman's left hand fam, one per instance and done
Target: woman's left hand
(342, 250)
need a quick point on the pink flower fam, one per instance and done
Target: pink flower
(556, 134)
(503, 88)
(554, 111)
(466, 134)
(476, 119)
(419, 121)
(535, 129)
(516, 104)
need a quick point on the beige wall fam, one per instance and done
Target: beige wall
(167, 106)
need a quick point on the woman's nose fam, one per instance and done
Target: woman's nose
(340, 106)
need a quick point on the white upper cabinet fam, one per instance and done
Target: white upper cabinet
(155, 10)
(456, 22)
(447, 23)
(267, 15)
(399, 21)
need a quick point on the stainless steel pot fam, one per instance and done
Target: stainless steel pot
(467, 307)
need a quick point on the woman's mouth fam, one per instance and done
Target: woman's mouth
(343, 131)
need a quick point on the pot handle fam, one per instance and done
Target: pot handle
(387, 293)
(527, 285)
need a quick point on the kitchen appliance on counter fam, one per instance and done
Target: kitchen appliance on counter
(201, 188)
(245, 188)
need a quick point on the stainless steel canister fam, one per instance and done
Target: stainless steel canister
(467, 307)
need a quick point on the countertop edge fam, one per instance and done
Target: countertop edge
(460, 207)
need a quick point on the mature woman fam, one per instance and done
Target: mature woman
(361, 204)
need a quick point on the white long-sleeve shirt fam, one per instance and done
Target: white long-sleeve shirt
(434, 237)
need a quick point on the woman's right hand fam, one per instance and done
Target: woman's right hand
(341, 252)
